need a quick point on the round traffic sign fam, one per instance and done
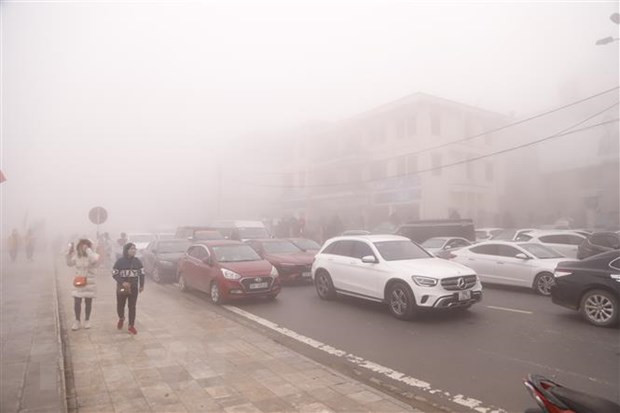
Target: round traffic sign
(98, 215)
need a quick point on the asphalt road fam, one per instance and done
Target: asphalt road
(483, 353)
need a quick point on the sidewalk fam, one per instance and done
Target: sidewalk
(186, 358)
(31, 375)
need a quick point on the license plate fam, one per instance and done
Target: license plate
(258, 285)
(464, 295)
(306, 274)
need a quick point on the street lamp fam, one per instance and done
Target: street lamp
(615, 17)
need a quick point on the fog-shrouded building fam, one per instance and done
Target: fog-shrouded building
(396, 163)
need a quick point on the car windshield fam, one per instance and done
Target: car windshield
(400, 250)
(433, 243)
(505, 235)
(235, 253)
(253, 233)
(279, 247)
(540, 251)
(173, 246)
(307, 244)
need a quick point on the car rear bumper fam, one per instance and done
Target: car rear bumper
(565, 294)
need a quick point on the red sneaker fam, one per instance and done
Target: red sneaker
(132, 330)
(119, 325)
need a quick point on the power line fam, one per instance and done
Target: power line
(564, 132)
(467, 138)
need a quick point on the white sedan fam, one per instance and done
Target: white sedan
(438, 244)
(393, 270)
(512, 263)
(565, 242)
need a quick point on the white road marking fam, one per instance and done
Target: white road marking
(509, 309)
(460, 399)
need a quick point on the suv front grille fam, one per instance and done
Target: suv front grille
(451, 284)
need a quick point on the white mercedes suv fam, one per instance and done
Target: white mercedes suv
(394, 270)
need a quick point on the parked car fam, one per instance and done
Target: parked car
(187, 232)
(393, 270)
(207, 235)
(508, 234)
(291, 262)
(420, 231)
(597, 243)
(484, 234)
(591, 286)
(520, 264)
(306, 245)
(227, 270)
(565, 242)
(241, 230)
(160, 258)
(438, 244)
(141, 239)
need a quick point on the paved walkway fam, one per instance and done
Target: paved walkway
(187, 358)
(31, 375)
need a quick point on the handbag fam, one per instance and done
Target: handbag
(79, 281)
(122, 290)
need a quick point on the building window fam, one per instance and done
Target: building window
(435, 124)
(469, 170)
(412, 164)
(354, 175)
(489, 171)
(412, 126)
(302, 179)
(436, 164)
(377, 170)
(400, 129)
(401, 168)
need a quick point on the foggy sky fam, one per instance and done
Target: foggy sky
(127, 105)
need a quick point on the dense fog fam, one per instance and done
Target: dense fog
(182, 113)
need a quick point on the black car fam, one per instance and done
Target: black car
(591, 286)
(160, 258)
(597, 243)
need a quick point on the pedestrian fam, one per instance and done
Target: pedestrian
(84, 259)
(14, 242)
(120, 244)
(129, 275)
(29, 241)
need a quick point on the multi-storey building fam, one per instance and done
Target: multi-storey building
(397, 162)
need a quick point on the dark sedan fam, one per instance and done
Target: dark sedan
(160, 258)
(306, 245)
(597, 243)
(591, 286)
(291, 262)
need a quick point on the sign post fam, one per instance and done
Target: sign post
(98, 215)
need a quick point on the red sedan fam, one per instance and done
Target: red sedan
(227, 270)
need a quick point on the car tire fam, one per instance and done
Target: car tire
(400, 301)
(182, 284)
(156, 275)
(215, 293)
(599, 308)
(324, 286)
(542, 283)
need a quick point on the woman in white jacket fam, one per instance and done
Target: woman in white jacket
(84, 259)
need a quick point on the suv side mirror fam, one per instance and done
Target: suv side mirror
(369, 259)
(522, 256)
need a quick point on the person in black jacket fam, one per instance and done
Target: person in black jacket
(129, 275)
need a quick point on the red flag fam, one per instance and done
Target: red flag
(2, 177)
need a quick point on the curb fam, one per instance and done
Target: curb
(61, 344)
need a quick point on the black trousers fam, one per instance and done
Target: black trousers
(131, 301)
(77, 307)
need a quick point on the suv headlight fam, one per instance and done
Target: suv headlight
(561, 273)
(424, 281)
(230, 275)
(274, 272)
